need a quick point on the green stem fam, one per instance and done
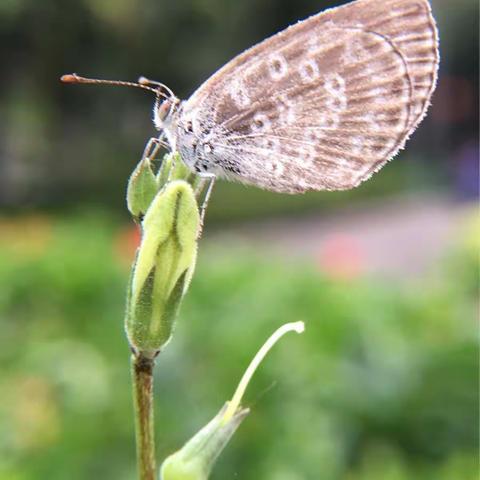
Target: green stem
(142, 378)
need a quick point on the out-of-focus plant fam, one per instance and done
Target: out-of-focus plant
(381, 369)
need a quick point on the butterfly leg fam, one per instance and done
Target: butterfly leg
(153, 146)
(210, 178)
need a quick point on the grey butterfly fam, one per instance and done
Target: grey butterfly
(321, 105)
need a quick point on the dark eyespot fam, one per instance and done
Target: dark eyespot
(337, 104)
(277, 66)
(309, 70)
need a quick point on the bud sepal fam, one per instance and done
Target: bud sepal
(195, 460)
(141, 189)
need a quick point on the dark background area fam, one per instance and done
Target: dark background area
(383, 385)
(64, 145)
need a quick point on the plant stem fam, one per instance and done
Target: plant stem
(142, 378)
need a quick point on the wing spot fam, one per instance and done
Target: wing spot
(277, 66)
(335, 87)
(286, 109)
(309, 71)
(238, 93)
(271, 144)
(335, 84)
(330, 121)
(309, 154)
(275, 167)
(314, 136)
(207, 148)
(260, 122)
(338, 103)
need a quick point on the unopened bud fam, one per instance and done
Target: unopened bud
(173, 168)
(163, 267)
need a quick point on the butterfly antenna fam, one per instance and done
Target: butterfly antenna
(74, 78)
(146, 81)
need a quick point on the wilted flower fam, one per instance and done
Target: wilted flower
(195, 460)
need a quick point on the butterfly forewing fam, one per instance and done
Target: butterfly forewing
(326, 102)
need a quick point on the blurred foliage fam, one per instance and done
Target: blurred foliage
(382, 386)
(62, 144)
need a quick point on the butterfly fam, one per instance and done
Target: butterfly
(321, 105)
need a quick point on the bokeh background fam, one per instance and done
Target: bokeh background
(384, 383)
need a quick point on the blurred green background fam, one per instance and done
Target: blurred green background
(384, 382)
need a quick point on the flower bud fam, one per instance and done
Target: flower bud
(163, 267)
(173, 168)
(141, 190)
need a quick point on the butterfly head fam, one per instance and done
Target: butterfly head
(164, 112)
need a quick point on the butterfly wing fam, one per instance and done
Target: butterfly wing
(324, 103)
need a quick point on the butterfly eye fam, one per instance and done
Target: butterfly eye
(164, 110)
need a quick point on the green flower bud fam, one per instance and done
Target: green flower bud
(194, 461)
(141, 190)
(163, 267)
(173, 168)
